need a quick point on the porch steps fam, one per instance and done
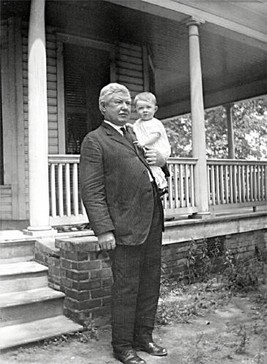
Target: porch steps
(33, 304)
(30, 332)
(16, 250)
(22, 276)
(30, 311)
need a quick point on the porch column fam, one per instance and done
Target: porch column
(38, 125)
(230, 131)
(198, 121)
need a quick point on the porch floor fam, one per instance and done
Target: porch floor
(10, 230)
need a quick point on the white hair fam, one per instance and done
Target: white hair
(109, 90)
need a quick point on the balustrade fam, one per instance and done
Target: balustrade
(230, 183)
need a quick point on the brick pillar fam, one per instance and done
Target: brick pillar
(86, 278)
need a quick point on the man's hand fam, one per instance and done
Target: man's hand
(106, 241)
(154, 157)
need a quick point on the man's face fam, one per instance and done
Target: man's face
(117, 108)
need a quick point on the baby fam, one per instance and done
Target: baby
(150, 133)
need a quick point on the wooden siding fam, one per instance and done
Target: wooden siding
(129, 69)
(6, 202)
(13, 146)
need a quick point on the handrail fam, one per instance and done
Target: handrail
(231, 182)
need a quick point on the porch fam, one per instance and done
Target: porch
(233, 186)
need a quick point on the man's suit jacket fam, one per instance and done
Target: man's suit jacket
(115, 186)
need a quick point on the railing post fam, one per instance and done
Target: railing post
(198, 122)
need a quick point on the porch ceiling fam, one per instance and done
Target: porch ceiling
(233, 41)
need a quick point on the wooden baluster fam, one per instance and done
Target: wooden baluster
(60, 190)
(186, 166)
(67, 189)
(181, 185)
(53, 190)
(75, 189)
(226, 180)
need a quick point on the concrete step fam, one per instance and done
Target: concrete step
(16, 250)
(21, 276)
(25, 306)
(34, 331)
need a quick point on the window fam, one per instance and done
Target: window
(86, 71)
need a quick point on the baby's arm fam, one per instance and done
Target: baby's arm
(149, 140)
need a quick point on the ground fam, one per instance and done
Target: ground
(202, 324)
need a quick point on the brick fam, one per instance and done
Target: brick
(106, 301)
(182, 262)
(89, 265)
(74, 315)
(104, 273)
(96, 273)
(77, 295)
(107, 282)
(68, 264)
(90, 304)
(102, 292)
(103, 255)
(94, 255)
(101, 311)
(54, 270)
(76, 256)
(76, 275)
(68, 283)
(82, 305)
(88, 285)
(85, 243)
(106, 264)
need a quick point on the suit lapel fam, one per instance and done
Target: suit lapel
(116, 136)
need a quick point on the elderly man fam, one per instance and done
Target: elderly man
(125, 211)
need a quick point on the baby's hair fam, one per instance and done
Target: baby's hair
(145, 96)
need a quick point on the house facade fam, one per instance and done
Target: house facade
(57, 55)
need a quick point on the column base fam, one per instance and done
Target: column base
(200, 215)
(40, 232)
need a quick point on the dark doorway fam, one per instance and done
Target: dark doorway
(1, 131)
(86, 71)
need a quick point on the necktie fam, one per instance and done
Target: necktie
(129, 134)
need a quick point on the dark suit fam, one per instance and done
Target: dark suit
(118, 196)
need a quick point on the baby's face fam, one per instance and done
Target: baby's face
(145, 109)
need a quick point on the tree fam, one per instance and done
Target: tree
(250, 131)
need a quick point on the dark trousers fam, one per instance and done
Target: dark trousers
(135, 292)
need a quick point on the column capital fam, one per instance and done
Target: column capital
(193, 20)
(228, 105)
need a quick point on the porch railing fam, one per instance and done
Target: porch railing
(237, 183)
(230, 183)
(181, 186)
(65, 201)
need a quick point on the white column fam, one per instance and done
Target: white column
(198, 121)
(230, 131)
(38, 125)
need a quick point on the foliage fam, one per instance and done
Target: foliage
(200, 259)
(250, 125)
(184, 302)
(181, 302)
(250, 131)
(180, 136)
(241, 275)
